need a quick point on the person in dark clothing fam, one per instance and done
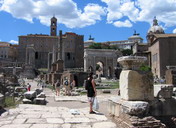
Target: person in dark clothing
(91, 91)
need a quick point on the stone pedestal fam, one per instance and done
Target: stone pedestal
(139, 101)
(136, 86)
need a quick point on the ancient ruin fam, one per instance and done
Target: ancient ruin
(142, 104)
(107, 57)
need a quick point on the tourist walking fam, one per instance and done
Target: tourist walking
(57, 87)
(67, 88)
(91, 91)
(73, 84)
(28, 87)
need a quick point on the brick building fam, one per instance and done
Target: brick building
(160, 49)
(37, 49)
(8, 51)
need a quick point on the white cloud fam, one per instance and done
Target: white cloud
(164, 10)
(13, 42)
(174, 31)
(66, 11)
(142, 10)
(126, 23)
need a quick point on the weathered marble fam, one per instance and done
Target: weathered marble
(104, 125)
(135, 86)
(30, 94)
(163, 90)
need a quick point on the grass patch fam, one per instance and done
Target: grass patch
(10, 102)
(114, 85)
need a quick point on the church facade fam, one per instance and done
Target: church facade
(160, 49)
(38, 49)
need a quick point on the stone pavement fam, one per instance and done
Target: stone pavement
(37, 116)
(55, 115)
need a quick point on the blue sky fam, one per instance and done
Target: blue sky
(105, 20)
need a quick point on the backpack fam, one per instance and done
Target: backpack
(66, 82)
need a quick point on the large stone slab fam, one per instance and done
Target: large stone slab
(136, 86)
(26, 101)
(81, 126)
(104, 125)
(135, 108)
(163, 90)
(17, 126)
(45, 126)
(77, 120)
(19, 121)
(41, 95)
(40, 101)
(55, 121)
(30, 95)
(36, 121)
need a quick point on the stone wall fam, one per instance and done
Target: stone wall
(73, 50)
(43, 44)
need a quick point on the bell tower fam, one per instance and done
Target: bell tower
(53, 26)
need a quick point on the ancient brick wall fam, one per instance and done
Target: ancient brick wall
(127, 121)
(42, 46)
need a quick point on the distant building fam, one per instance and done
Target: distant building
(37, 49)
(8, 51)
(160, 49)
(122, 44)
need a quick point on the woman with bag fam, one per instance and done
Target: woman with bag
(91, 91)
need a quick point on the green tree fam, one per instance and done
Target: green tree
(95, 46)
(103, 46)
(97, 66)
(126, 52)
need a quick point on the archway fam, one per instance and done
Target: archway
(99, 68)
